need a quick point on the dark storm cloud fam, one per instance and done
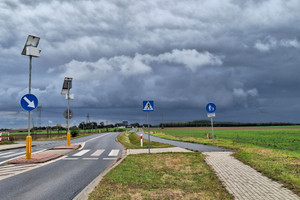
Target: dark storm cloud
(242, 55)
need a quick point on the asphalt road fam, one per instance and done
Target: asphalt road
(186, 145)
(65, 177)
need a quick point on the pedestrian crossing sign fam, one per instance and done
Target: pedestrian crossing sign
(148, 106)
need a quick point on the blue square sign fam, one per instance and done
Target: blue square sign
(148, 106)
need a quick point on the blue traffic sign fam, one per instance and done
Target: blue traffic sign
(211, 108)
(148, 106)
(29, 102)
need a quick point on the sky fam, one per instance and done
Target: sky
(241, 55)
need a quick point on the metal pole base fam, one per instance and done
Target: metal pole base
(28, 147)
(69, 139)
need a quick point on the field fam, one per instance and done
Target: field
(274, 151)
(283, 138)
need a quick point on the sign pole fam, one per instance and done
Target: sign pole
(28, 138)
(29, 88)
(148, 132)
(212, 129)
(68, 134)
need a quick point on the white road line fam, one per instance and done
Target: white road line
(109, 158)
(98, 152)
(114, 152)
(14, 154)
(90, 158)
(70, 159)
(82, 152)
(97, 137)
(1, 154)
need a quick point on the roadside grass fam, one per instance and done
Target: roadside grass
(275, 158)
(132, 141)
(7, 142)
(161, 176)
(62, 137)
(52, 132)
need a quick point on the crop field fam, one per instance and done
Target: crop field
(283, 138)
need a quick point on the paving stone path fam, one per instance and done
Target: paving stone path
(244, 182)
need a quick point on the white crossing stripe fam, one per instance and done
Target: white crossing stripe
(98, 152)
(82, 152)
(14, 154)
(70, 158)
(90, 158)
(114, 152)
(1, 154)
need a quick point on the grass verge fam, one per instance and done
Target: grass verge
(132, 141)
(161, 176)
(280, 165)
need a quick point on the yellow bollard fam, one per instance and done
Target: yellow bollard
(28, 147)
(69, 139)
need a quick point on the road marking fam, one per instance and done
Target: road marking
(109, 158)
(97, 137)
(14, 154)
(70, 159)
(90, 158)
(98, 152)
(114, 152)
(12, 170)
(1, 154)
(82, 152)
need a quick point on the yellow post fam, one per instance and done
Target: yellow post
(28, 147)
(69, 139)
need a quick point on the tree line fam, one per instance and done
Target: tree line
(207, 123)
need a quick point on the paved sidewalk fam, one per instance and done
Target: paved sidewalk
(243, 181)
(157, 150)
(11, 146)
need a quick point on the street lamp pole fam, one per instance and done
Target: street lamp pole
(67, 85)
(29, 90)
(68, 120)
(30, 49)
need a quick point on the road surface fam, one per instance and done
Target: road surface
(63, 178)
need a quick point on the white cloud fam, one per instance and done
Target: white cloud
(239, 92)
(273, 43)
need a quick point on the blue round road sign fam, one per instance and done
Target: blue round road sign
(211, 108)
(29, 102)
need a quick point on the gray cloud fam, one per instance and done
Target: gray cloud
(242, 55)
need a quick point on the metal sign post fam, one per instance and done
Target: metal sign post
(30, 49)
(148, 106)
(211, 109)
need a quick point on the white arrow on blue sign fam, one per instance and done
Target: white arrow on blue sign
(29, 102)
(148, 106)
(211, 108)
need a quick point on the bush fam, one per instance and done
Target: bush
(74, 131)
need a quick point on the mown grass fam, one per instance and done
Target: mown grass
(64, 131)
(272, 152)
(132, 141)
(62, 137)
(161, 176)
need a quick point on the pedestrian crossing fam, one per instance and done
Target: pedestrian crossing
(14, 169)
(10, 154)
(89, 154)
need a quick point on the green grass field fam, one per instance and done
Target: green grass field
(274, 151)
(283, 138)
(62, 131)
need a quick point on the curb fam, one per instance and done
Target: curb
(84, 194)
(43, 157)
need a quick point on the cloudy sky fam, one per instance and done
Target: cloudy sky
(242, 55)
